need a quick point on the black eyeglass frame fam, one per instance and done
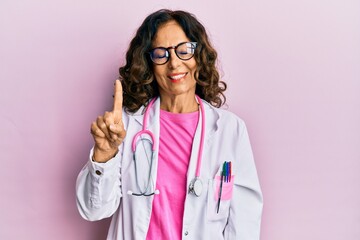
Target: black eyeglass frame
(193, 45)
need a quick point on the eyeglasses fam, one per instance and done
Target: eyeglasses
(183, 51)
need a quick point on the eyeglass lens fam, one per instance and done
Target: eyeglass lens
(184, 51)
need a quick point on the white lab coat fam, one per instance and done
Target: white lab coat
(102, 188)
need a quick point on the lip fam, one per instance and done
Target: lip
(176, 77)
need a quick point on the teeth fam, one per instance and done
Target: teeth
(176, 77)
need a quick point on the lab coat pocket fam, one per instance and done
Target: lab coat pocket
(213, 198)
(227, 189)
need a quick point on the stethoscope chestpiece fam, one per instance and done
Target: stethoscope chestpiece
(196, 186)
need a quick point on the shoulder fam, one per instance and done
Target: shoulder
(225, 117)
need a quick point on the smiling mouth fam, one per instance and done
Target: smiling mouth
(176, 77)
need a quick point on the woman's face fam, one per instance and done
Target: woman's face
(176, 77)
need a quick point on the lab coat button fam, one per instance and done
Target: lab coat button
(186, 233)
(98, 172)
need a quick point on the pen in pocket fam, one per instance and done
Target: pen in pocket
(220, 191)
(225, 177)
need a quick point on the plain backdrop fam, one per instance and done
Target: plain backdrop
(293, 72)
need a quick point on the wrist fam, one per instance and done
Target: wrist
(103, 156)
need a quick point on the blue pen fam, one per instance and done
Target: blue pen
(221, 183)
(227, 172)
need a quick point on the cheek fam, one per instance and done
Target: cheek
(192, 68)
(191, 64)
(156, 71)
(159, 72)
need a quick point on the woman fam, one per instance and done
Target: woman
(189, 173)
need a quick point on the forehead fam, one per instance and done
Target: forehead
(169, 34)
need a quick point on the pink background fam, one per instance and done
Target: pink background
(293, 70)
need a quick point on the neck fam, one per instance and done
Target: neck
(179, 104)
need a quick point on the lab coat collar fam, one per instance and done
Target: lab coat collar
(154, 114)
(211, 117)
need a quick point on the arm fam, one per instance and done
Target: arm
(98, 184)
(98, 188)
(247, 202)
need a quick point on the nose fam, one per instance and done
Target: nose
(174, 61)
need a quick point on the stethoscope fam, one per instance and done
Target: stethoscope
(196, 185)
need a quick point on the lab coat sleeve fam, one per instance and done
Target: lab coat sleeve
(98, 185)
(98, 188)
(247, 202)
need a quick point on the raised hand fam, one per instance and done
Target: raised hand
(108, 130)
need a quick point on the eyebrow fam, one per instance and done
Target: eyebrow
(172, 45)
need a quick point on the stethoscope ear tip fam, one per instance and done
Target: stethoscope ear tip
(157, 192)
(129, 192)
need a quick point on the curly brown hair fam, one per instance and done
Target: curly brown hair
(139, 84)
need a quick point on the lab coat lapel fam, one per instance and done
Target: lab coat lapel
(153, 115)
(212, 123)
(211, 126)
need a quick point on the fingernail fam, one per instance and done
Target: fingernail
(112, 127)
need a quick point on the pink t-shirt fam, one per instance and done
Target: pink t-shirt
(176, 137)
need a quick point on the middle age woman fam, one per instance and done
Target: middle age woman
(201, 181)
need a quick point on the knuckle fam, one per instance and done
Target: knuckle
(108, 119)
(122, 134)
(119, 129)
(93, 126)
(106, 114)
(100, 123)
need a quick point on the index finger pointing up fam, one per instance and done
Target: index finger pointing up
(118, 100)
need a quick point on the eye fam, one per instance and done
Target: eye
(159, 53)
(182, 52)
(159, 56)
(185, 49)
